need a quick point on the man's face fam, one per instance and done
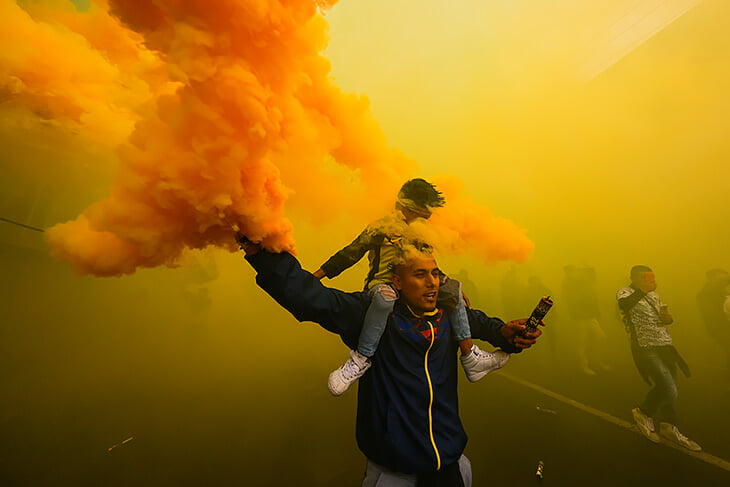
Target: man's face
(418, 282)
(645, 278)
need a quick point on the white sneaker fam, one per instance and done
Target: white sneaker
(670, 433)
(352, 370)
(479, 363)
(645, 425)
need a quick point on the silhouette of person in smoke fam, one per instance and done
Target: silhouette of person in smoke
(713, 301)
(513, 292)
(198, 272)
(468, 288)
(408, 423)
(535, 291)
(581, 300)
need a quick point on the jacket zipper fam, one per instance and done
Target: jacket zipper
(430, 404)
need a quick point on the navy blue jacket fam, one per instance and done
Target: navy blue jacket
(408, 407)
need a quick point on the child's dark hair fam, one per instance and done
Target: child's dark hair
(422, 194)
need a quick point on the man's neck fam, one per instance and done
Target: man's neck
(421, 313)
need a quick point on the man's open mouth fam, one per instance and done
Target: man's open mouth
(431, 295)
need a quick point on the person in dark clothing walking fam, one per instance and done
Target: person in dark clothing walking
(408, 423)
(581, 299)
(711, 301)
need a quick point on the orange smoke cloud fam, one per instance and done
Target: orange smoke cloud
(86, 72)
(223, 111)
(463, 226)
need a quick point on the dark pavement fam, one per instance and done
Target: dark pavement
(209, 434)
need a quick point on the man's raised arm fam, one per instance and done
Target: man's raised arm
(304, 296)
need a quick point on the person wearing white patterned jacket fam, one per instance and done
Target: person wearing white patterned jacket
(646, 319)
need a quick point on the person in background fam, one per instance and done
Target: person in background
(714, 307)
(646, 319)
(534, 292)
(581, 299)
(470, 290)
(513, 292)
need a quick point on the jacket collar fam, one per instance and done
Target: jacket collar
(406, 311)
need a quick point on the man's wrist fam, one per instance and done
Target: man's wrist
(251, 248)
(503, 332)
(510, 336)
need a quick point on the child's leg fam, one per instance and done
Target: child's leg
(450, 297)
(476, 362)
(462, 331)
(381, 306)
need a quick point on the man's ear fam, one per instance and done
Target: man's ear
(397, 282)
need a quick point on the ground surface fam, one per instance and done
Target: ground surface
(202, 437)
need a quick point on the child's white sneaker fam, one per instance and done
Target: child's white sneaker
(341, 379)
(479, 363)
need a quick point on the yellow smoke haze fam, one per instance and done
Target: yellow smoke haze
(234, 112)
(629, 167)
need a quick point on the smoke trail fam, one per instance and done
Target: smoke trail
(462, 226)
(226, 111)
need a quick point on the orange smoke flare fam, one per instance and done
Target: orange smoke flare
(223, 111)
